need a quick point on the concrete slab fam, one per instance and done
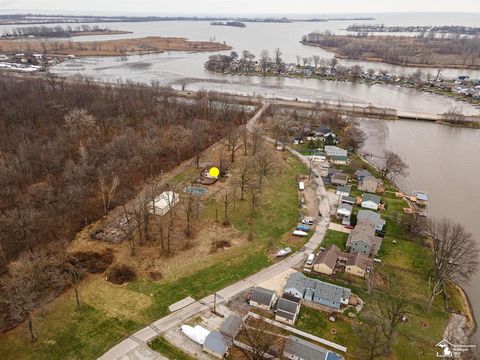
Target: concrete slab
(181, 304)
(277, 283)
(142, 352)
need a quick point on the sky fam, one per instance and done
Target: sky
(240, 7)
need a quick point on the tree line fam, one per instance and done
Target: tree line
(51, 31)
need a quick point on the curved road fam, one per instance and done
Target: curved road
(133, 347)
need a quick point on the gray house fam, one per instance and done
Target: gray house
(369, 184)
(373, 217)
(217, 344)
(262, 298)
(370, 201)
(317, 291)
(298, 349)
(362, 239)
(231, 326)
(361, 174)
(287, 310)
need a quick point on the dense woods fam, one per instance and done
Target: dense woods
(70, 151)
(52, 31)
(424, 49)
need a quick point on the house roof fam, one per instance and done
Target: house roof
(362, 173)
(349, 199)
(371, 197)
(332, 150)
(307, 351)
(231, 326)
(262, 296)
(217, 343)
(371, 216)
(328, 257)
(286, 314)
(340, 176)
(345, 207)
(344, 189)
(332, 254)
(286, 305)
(364, 231)
(321, 289)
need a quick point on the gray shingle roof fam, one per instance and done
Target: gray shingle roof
(262, 296)
(370, 197)
(231, 326)
(287, 306)
(331, 292)
(285, 314)
(304, 350)
(217, 343)
(371, 216)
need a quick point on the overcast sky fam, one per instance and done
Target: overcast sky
(242, 6)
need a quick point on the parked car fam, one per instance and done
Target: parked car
(284, 252)
(310, 259)
(308, 221)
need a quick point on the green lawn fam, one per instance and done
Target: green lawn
(337, 238)
(165, 348)
(65, 333)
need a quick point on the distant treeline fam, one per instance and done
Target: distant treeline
(421, 50)
(55, 31)
(55, 19)
(447, 29)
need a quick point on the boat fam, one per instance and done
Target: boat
(300, 233)
(284, 252)
(422, 198)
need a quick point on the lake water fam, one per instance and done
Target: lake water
(444, 161)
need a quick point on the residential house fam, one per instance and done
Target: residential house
(344, 210)
(333, 259)
(369, 184)
(231, 326)
(343, 190)
(298, 349)
(262, 298)
(348, 200)
(339, 179)
(336, 155)
(317, 291)
(361, 174)
(163, 203)
(373, 217)
(287, 310)
(370, 201)
(217, 344)
(362, 239)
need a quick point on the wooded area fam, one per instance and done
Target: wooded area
(70, 151)
(423, 50)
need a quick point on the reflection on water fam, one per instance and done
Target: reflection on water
(443, 161)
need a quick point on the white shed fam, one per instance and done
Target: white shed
(164, 202)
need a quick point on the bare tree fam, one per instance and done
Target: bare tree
(393, 166)
(233, 141)
(264, 59)
(226, 199)
(245, 175)
(257, 338)
(456, 255)
(372, 337)
(353, 137)
(74, 275)
(264, 165)
(107, 192)
(127, 225)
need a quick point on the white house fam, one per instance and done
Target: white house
(163, 203)
(262, 298)
(370, 201)
(344, 210)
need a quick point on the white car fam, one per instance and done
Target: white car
(308, 221)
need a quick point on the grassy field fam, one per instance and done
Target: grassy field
(162, 346)
(110, 313)
(337, 238)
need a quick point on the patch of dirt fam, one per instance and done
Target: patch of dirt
(121, 274)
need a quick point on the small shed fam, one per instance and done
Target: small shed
(164, 203)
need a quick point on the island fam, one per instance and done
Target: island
(419, 51)
(228, 23)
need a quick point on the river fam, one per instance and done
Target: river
(443, 160)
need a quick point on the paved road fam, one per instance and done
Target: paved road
(133, 347)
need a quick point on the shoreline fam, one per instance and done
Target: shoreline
(380, 60)
(468, 100)
(468, 313)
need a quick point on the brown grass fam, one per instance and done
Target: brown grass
(151, 44)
